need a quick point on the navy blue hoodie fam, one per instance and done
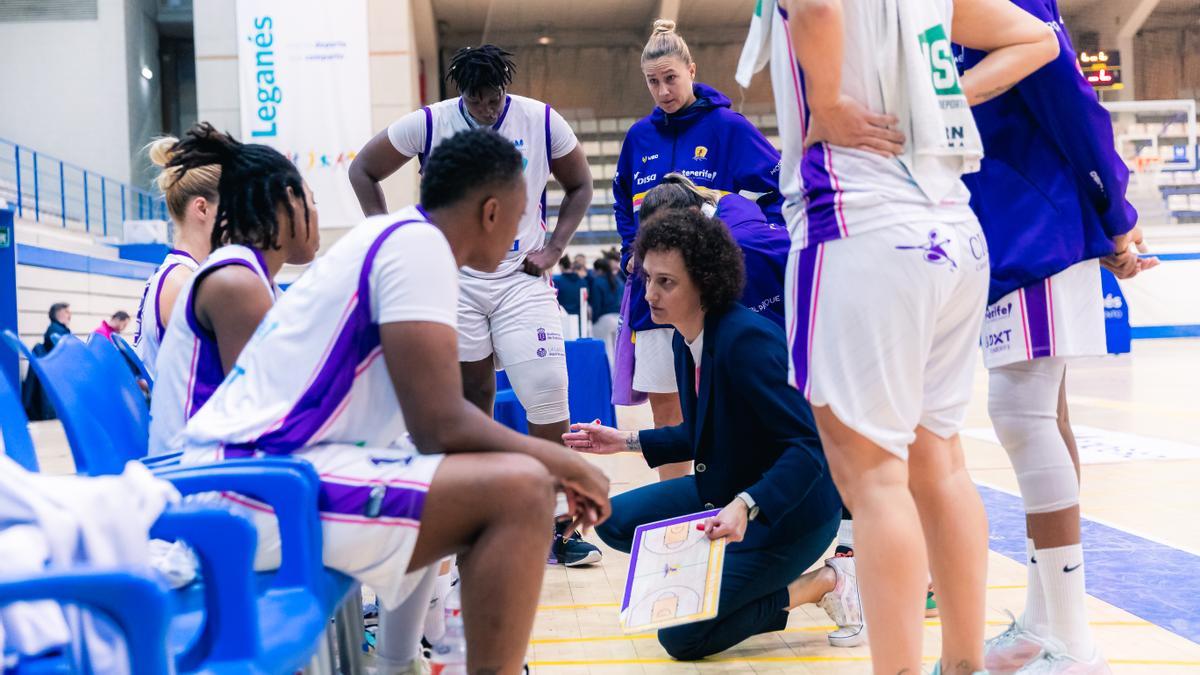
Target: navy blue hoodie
(707, 142)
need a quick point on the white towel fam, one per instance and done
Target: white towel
(60, 522)
(943, 142)
(757, 50)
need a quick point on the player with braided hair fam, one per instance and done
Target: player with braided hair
(265, 217)
(507, 318)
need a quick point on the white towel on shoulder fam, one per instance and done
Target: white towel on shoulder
(943, 142)
(757, 50)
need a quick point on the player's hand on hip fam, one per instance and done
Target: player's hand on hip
(594, 438)
(537, 262)
(730, 523)
(850, 124)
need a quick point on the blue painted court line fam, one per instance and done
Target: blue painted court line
(1145, 578)
(1160, 332)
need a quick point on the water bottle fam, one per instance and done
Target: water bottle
(450, 653)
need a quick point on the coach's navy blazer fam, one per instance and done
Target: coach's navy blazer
(747, 428)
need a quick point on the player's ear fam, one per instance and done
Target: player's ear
(489, 213)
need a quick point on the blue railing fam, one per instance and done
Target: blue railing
(51, 191)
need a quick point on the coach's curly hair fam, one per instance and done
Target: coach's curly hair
(254, 183)
(473, 69)
(713, 260)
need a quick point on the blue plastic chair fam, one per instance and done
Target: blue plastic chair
(105, 417)
(14, 427)
(106, 431)
(135, 603)
(127, 351)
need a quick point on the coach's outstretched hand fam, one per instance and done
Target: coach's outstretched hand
(596, 439)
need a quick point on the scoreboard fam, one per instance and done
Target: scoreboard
(1102, 69)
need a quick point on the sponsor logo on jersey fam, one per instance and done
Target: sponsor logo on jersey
(998, 311)
(934, 250)
(541, 352)
(935, 47)
(703, 174)
(379, 461)
(1001, 339)
(701, 153)
(648, 158)
(640, 180)
(541, 333)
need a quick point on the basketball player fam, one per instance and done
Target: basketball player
(192, 204)
(410, 471)
(221, 305)
(1046, 307)
(508, 318)
(887, 281)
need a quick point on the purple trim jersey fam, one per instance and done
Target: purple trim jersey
(313, 373)
(189, 362)
(150, 325)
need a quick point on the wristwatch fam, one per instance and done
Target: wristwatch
(753, 508)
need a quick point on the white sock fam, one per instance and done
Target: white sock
(845, 535)
(435, 617)
(1061, 570)
(1034, 619)
(400, 628)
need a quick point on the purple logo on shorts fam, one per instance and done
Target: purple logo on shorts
(541, 352)
(935, 253)
(541, 335)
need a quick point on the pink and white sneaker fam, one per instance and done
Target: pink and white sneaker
(1009, 651)
(1054, 660)
(844, 606)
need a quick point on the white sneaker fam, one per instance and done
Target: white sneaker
(843, 605)
(1011, 650)
(1054, 660)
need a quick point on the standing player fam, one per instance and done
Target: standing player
(507, 318)
(887, 281)
(692, 131)
(1046, 246)
(192, 203)
(410, 471)
(266, 217)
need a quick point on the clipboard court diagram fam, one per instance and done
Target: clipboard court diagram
(674, 574)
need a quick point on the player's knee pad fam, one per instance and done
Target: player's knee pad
(541, 386)
(1023, 404)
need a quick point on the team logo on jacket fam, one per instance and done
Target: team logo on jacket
(701, 153)
(541, 334)
(934, 250)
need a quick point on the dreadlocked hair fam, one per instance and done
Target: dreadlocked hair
(475, 69)
(254, 183)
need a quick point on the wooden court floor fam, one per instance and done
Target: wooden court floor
(1142, 521)
(1139, 419)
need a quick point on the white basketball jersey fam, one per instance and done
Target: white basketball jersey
(832, 192)
(312, 373)
(189, 362)
(150, 326)
(526, 123)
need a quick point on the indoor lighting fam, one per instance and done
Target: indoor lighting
(545, 40)
(147, 73)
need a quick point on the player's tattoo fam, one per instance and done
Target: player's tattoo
(964, 666)
(990, 94)
(633, 443)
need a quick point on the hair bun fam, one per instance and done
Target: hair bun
(160, 150)
(663, 26)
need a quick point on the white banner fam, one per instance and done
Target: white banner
(305, 91)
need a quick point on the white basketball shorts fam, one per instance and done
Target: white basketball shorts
(1059, 316)
(370, 507)
(883, 327)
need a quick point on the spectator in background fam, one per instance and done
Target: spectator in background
(60, 325)
(569, 284)
(604, 297)
(117, 323)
